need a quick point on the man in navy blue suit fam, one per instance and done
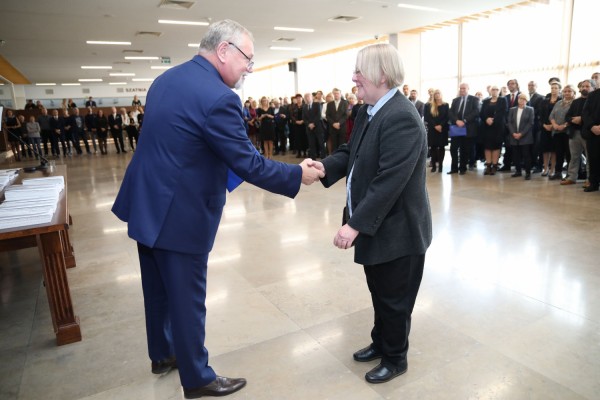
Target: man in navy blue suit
(173, 194)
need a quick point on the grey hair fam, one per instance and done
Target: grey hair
(223, 31)
(381, 60)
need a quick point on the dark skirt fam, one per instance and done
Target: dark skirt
(546, 143)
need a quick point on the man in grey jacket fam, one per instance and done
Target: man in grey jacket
(387, 216)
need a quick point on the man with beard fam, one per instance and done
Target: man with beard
(590, 117)
(577, 144)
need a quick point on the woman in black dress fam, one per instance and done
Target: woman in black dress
(299, 127)
(436, 120)
(493, 123)
(266, 116)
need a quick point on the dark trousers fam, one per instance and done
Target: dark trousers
(174, 287)
(280, 139)
(82, 136)
(46, 137)
(118, 139)
(522, 157)
(316, 145)
(437, 156)
(459, 151)
(561, 146)
(593, 150)
(394, 286)
(338, 138)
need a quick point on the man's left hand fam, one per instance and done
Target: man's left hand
(345, 237)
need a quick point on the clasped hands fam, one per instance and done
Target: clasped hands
(312, 171)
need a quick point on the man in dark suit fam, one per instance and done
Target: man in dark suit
(115, 123)
(311, 114)
(90, 102)
(512, 99)
(173, 194)
(387, 214)
(337, 112)
(535, 100)
(464, 112)
(419, 105)
(590, 130)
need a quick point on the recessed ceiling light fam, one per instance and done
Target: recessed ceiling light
(171, 21)
(70, 84)
(105, 42)
(284, 28)
(160, 66)
(193, 44)
(117, 83)
(285, 48)
(142, 58)
(96, 67)
(142, 79)
(121, 74)
(90, 80)
(420, 8)
(45, 84)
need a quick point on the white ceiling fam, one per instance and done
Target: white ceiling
(46, 39)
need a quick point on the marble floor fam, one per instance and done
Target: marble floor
(509, 307)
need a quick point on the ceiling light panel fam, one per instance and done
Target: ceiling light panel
(177, 22)
(109, 43)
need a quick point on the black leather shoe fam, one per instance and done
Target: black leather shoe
(555, 177)
(164, 366)
(367, 354)
(221, 386)
(516, 174)
(451, 172)
(462, 172)
(505, 168)
(528, 176)
(591, 188)
(381, 373)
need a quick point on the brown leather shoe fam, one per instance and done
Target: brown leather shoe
(221, 386)
(567, 182)
(164, 366)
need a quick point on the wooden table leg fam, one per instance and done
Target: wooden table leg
(68, 250)
(66, 323)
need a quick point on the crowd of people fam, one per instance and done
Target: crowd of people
(556, 135)
(531, 132)
(66, 128)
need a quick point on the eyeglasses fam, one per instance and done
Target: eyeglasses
(250, 62)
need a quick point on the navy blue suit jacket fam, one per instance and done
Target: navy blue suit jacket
(173, 192)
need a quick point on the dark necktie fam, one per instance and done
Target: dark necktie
(461, 108)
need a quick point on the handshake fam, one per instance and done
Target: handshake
(312, 171)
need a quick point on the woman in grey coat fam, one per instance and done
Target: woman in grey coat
(520, 127)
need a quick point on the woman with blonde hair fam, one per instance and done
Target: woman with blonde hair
(266, 116)
(436, 121)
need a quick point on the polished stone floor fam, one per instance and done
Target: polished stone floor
(509, 307)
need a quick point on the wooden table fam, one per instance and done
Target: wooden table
(56, 252)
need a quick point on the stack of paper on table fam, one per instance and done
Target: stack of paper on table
(30, 204)
(7, 176)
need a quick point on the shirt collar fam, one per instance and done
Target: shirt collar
(372, 110)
